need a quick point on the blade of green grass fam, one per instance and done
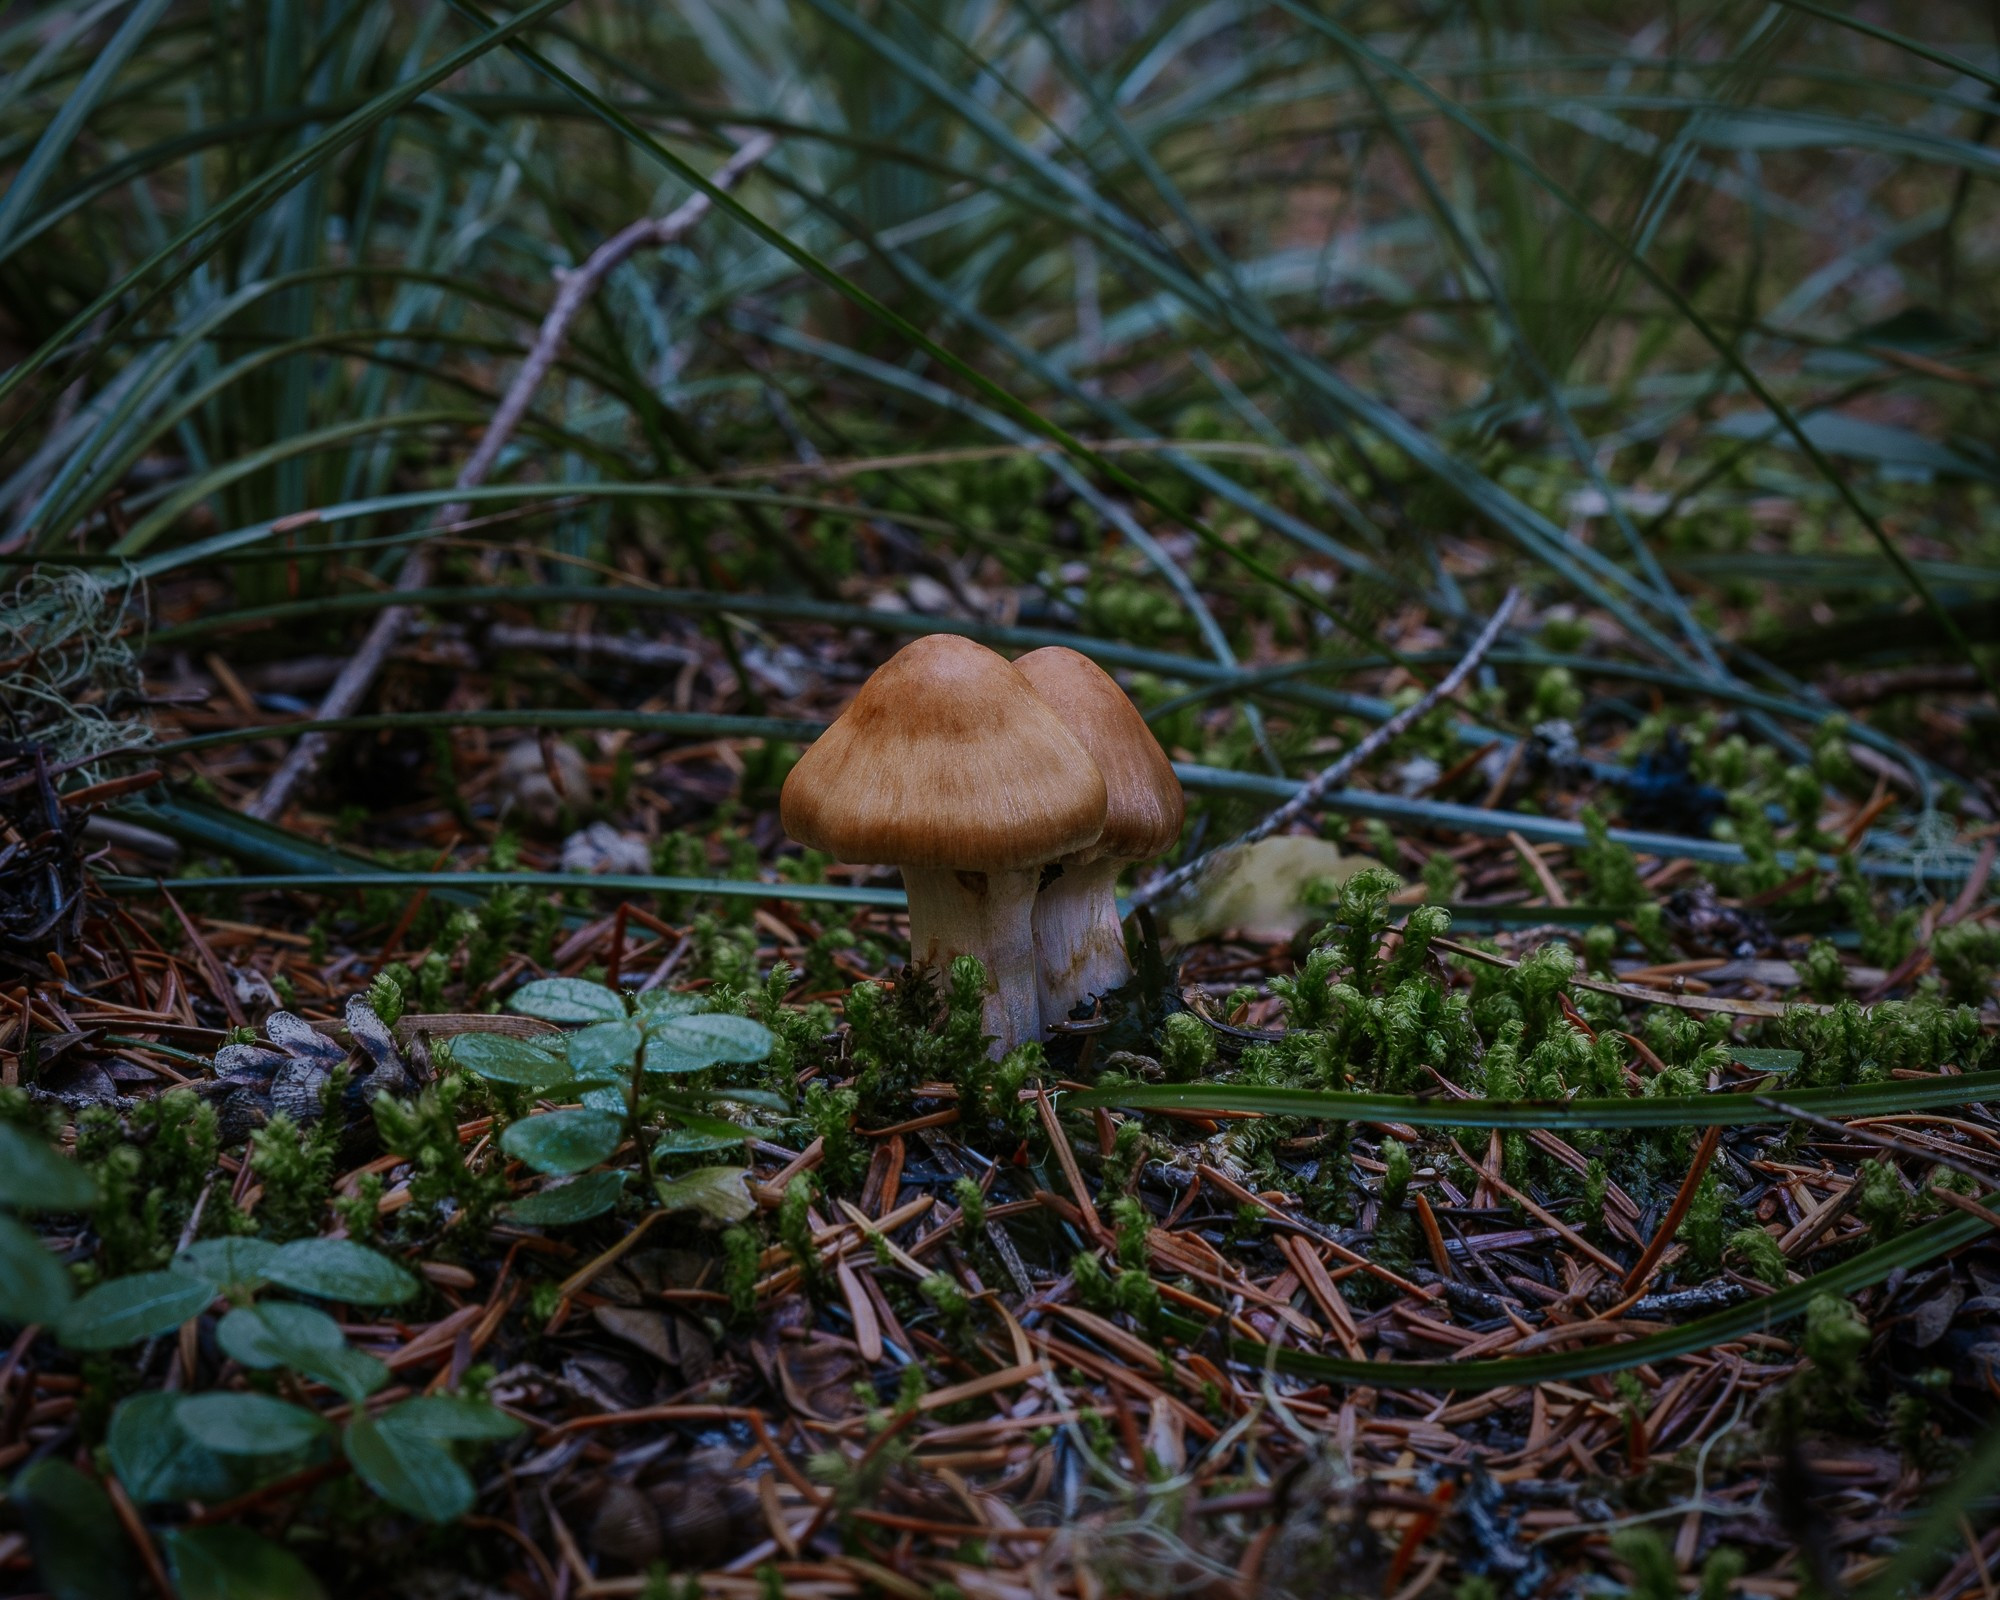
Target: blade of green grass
(1719, 1110)
(476, 883)
(689, 725)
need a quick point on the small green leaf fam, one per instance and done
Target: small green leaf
(500, 1058)
(717, 1192)
(759, 1099)
(564, 1141)
(34, 1285)
(271, 1335)
(81, 1552)
(248, 1424)
(155, 1460)
(352, 1374)
(603, 1053)
(228, 1264)
(657, 1003)
(304, 1338)
(693, 1141)
(689, 1043)
(126, 1310)
(340, 1269)
(441, 1417)
(733, 1038)
(413, 1474)
(35, 1178)
(231, 1563)
(576, 1201)
(1768, 1060)
(567, 1000)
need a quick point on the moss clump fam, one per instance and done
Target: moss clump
(295, 1167)
(152, 1164)
(444, 1189)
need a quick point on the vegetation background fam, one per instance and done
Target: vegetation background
(1263, 345)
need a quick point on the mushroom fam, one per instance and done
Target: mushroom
(1080, 944)
(949, 766)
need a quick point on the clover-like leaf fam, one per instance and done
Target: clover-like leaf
(35, 1178)
(272, 1334)
(566, 1000)
(340, 1269)
(278, 1333)
(248, 1424)
(126, 1310)
(690, 1042)
(81, 1552)
(564, 1141)
(501, 1058)
(414, 1474)
(230, 1563)
(603, 1052)
(579, 1200)
(721, 1193)
(655, 1004)
(447, 1417)
(230, 1265)
(710, 1134)
(34, 1285)
(156, 1460)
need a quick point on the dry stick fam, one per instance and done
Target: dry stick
(574, 289)
(1643, 1269)
(1314, 789)
(1881, 1141)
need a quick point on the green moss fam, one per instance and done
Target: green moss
(1609, 869)
(830, 1114)
(1882, 1202)
(152, 1165)
(739, 1272)
(1966, 955)
(795, 1233)
(1822, 972)
(1703, 1229)
(1761, 1255)
(1186, 1046)
(1396, 1172)
(444, 1190)
(295, 1167)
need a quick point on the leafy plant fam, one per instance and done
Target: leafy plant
(617, 1062)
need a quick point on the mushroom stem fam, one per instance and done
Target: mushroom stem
(989, 915)
(1079, 942)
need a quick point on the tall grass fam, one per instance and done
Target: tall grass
(1209, 325)
(1467, 269)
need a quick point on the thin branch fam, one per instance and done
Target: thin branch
(573, 292)
(1315, 789)
(1881, 1141)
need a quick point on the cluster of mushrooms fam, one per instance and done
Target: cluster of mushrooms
(1011, 795)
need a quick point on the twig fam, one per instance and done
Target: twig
(1881, 1141)
(1643, 996)
(574, 289)
(135, 1530)
(1311, 792)
(1643, 1269)
(632, 652)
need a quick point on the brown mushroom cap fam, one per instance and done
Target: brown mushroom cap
(946, 758)
(1143, 800)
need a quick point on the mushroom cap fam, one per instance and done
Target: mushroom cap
(1143, 800)
(946, 758)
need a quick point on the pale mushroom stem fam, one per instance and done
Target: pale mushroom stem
(989, 915)
(1079, 941)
